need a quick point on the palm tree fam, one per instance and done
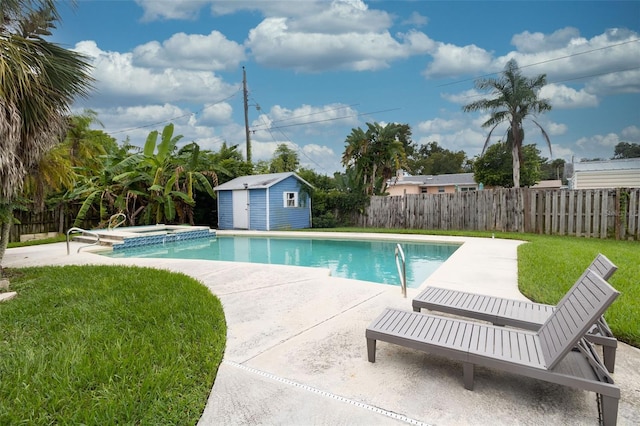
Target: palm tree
(376, 154)
(39, 81)
(515, 99)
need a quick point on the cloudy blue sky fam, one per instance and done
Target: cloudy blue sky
(317, 69)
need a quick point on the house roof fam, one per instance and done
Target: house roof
(258, 181)
(435, 180)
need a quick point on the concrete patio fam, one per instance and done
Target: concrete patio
(296, 351)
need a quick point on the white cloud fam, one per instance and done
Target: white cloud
(560, 152)
(274, 44)
(216, 113)
(598, 63)
(342, 17)
(553, 129)
(450, 60)
(210, 52)
(609, 140)
(562, 97)
(171, 9)
(120, 82)
(468, 140)
(438, 125)
(527, 42)
(306, 117)
(416, 20)
(617, 82)
(268, 8)
(463, 98)
(123, 122)
(320, 158)
(602, 65)
(631, 134)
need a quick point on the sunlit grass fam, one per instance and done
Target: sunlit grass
(107, 345)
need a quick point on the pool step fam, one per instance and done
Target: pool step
(107, 242)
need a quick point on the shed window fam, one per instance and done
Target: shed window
(291, 199)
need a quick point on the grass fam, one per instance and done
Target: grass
(549, 265)
(107, 345)
(116, 345)
(58, 239)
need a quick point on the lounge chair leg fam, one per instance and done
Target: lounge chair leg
(609, 357)
(371, 349)
(609, 410)
(416, 309)
(467, 372)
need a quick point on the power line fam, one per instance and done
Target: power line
(144, 126)
(334, 118)
(307, 115)
(287, 138)
(542, 62)
(570, 79)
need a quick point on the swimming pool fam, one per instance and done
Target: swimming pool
(366, 260)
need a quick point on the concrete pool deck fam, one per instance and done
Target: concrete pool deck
(296, 352)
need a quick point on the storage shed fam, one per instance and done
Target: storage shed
(623, 173)
(276, 201)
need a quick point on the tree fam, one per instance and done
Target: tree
(515, 98)
(493, 167)
(284, 159)
(432, 159)
(626, 150)
(194, 176)
(229, 162)
(552, 170)
(39, 82)
(376, 155)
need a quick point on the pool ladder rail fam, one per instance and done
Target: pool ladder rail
(402, 269)
(112, 224)
(84, 232)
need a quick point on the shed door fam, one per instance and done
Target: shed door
(240, 209)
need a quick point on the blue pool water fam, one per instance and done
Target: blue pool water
(361, 260)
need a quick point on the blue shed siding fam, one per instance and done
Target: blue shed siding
(280, 217)
(268, 214)
(225, 210)
(257, 209)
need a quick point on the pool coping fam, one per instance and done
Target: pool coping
(296, 351)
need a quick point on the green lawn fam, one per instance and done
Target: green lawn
(126, 345)
(107, 345)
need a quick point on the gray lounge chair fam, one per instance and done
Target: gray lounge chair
(545, 354)
(516, 313)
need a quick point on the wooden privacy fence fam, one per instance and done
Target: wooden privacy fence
(599, 213)
(34, 224)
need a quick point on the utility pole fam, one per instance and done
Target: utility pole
(246, 113)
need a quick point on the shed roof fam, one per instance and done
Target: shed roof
(622, 164)
(258, 181)
(435, 180)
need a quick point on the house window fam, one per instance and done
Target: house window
(291, 199)
(424, 190)
(441, 189)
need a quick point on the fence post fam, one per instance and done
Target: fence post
(618, 221)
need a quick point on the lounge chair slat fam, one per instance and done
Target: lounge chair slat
(546, 354)
(521, 314)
